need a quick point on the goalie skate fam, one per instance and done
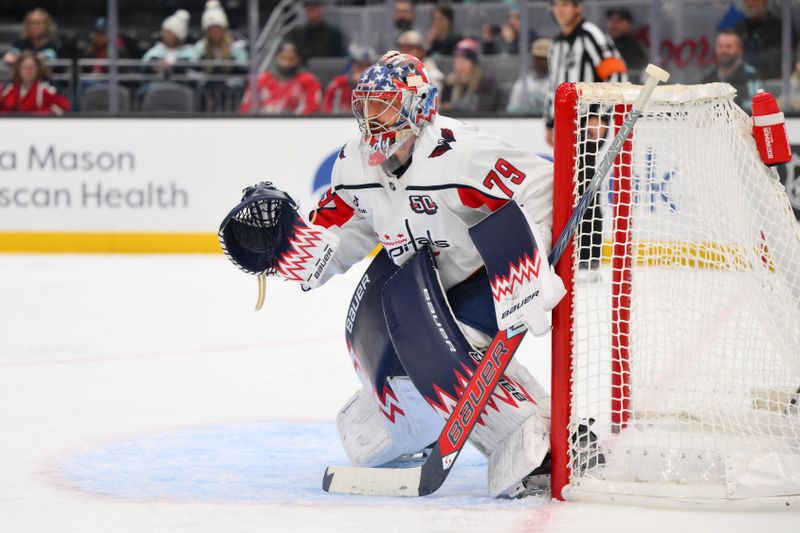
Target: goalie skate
(537, 483)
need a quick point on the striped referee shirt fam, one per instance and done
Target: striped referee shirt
(587, 54)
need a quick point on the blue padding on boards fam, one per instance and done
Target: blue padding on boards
(424, 333)
(503, 238)
(365, 328)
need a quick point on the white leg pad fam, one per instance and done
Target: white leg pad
(518, 455)
(370, 439)
(514, 439)
(502, 418)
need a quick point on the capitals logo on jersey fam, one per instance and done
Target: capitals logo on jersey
(444, 143)
(401, 245)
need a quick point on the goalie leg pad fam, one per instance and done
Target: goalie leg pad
(439, 360)
(518, 455)
(365, 332)
(370, 439)
(388, 417)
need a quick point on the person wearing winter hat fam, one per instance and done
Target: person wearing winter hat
(287, 88)
(177, 25)
(217, 41)
(214, 15)
(467, 88)
(218, 44)
(170, 48)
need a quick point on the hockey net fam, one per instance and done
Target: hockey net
(680, 332)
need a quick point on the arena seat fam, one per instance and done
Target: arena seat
(95, 98)
(168, 96)
(326, 68)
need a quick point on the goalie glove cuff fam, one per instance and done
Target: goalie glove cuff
(534, 289)
(524, 288)
(307, 255)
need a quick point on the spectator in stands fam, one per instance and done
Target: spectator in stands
(163, 56)
(98, 46)
(38, 35)
(317, 38)
(490, 39)
(28, 91)
(288, 88)
(403, 15)
(505, 40)
(171, 48)
(412, 42)
(467, 88)
(442, 38)
(731, 68)
(620, 27)
(338, 95)
(538, 83)
(761, 33)
(218, 44)
(217, 41)
(97, 49)
(403, 20)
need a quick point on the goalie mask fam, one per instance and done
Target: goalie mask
(392, 102)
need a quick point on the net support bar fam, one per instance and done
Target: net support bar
(621, 283)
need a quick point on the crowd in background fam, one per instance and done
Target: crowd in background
(746, 52)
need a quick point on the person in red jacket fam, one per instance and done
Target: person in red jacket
(286, 89)
(29, 92)
(339, 92)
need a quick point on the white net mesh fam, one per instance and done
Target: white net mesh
(686, 317)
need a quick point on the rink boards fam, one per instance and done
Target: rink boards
(164, 185)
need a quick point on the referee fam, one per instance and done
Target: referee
(581, 52)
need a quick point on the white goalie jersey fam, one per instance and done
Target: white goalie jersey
(457, 176)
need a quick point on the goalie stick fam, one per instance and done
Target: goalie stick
(428, 477)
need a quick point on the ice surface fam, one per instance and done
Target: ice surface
(142, 393)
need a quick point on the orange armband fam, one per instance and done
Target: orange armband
(610, 66)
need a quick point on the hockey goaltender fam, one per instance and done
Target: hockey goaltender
(416, 182)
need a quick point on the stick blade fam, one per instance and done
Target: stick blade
(372, 481)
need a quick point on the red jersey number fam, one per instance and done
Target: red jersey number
(503, 170)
